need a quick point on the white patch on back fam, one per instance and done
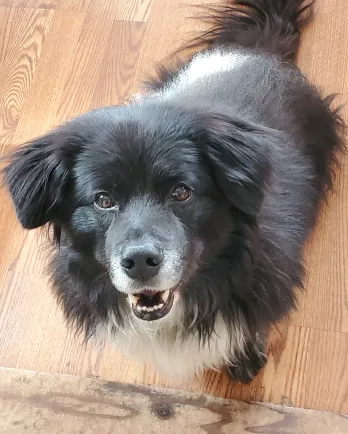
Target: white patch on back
(204, 65)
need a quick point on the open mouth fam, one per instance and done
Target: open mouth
(151, 305)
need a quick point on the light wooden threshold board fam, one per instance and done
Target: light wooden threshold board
(32, 402)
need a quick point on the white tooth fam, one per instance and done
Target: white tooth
(133, 298)
(165, 295)
(160, 306)
(150, 309)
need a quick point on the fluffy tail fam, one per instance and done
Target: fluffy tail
(271, 25)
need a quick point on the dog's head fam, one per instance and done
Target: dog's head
(150, 192)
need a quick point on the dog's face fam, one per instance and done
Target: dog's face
(149, 192)
(146, 207)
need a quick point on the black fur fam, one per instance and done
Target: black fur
(258, 147)
(270, 25)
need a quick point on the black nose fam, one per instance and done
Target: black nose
(142, 262)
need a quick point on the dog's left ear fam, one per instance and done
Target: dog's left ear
(38, 175)
(237, 152)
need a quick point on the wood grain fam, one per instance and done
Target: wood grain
(136, 10)
(123, 10)
(22, 37)
(119, 64)
(47, 87)
(60, 58)
(32, 4)
(47, 4)
(96, 60)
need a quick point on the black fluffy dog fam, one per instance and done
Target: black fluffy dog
(180, 218)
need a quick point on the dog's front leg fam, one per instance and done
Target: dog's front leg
(247, 366)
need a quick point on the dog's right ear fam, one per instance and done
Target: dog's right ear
(38, 175)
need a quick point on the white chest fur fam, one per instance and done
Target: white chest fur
(168, 353)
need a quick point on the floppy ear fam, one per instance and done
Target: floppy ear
(37, 176)
(238, 154)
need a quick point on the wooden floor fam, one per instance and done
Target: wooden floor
(59, 58)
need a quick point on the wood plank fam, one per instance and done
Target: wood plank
(119, 64)
(134, 10)
(22, 37)
(32, 4)
(123, 10)
(39, 113)
(44, 341)
(34, 402)
(83, 71)
(74, 5)
(93, 59)
(307, 368)
(324, 305)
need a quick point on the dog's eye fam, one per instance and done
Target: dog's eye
(181, 193)
(103, 201)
